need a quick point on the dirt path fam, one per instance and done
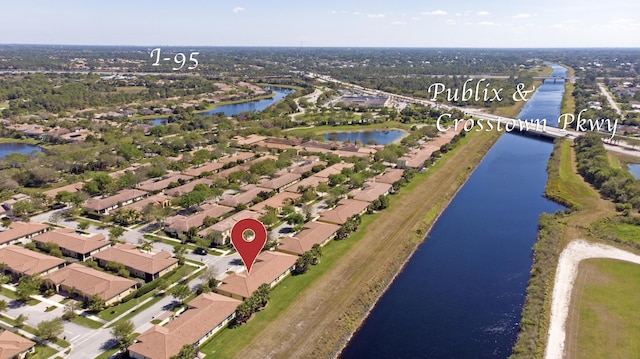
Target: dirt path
(323, 317)
(566, 273)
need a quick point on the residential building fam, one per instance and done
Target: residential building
(73, 244)
(13, 346)
(222, 229)
(345, 209)
(105, 205)
(333, 169)
(148, 266)
(312, 233)
(180, 224)
(390, 176)
(277, 201)
(246, 195)
(20, 261)
(206, 314)
(21, 232)
(270, 267)
(88, 282)
(370, 191)
(188, 187)
(160, 184)
(311, 181)
(280, 182)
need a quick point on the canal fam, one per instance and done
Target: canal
(461, 293)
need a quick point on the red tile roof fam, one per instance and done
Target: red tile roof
(205, 312)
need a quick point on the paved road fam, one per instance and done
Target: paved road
(612, 102)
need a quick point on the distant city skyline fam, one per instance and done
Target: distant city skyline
(504, 24)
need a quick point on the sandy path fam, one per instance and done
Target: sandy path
(566, 273)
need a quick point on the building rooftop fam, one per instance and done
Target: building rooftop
(125, 195)
(132, 257)
(88, 281)
(204, 313)
(268, 267)
(370, 191)
(345, 209)
(312, 233)
(68, 238)
(18, 230)
(27, 262)
(12, 344)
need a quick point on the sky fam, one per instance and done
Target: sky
(390, 23)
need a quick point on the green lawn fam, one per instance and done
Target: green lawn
(390, 125)
(43, 352)
(86, 322)
(564, 186)
(626, 231)
(609, 319)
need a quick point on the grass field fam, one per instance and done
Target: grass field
(312, 315)
(605, 320)
(566, 186)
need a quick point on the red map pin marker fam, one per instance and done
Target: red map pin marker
(248, 237)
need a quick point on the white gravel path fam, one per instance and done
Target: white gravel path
(566, 273)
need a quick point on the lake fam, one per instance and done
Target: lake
(7, 148)
(461, 293)
(380, 137)
(235, 109)
(634, 169)
(251, 106)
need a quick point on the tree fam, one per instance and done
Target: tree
(20, 319)
(28, 286)
(188, 351)
(147, 246)
(122, 331)
(3, 305)
(115, 232)
(243, 312)
(180, 292)
(295, 218)
(83, 225)
(55, 217)
(262, 294)
(49, 329)
(70, 310)
(179, 252)
(95, 303)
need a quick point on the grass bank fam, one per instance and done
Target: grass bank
(314, 315)
(319, 130)
(555, 231)
(604, 309)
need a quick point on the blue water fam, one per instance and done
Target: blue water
(379, 137)
(634, 169)
(461, 293)
(253, 106)
(7, 148)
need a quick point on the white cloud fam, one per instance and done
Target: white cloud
(416, 18)
(522, 16)
(451, 22)
(437, 12)
(238, 9)
(487, 23)
(356, 13)
(482, 13)
(398, 23)
(376, 16)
